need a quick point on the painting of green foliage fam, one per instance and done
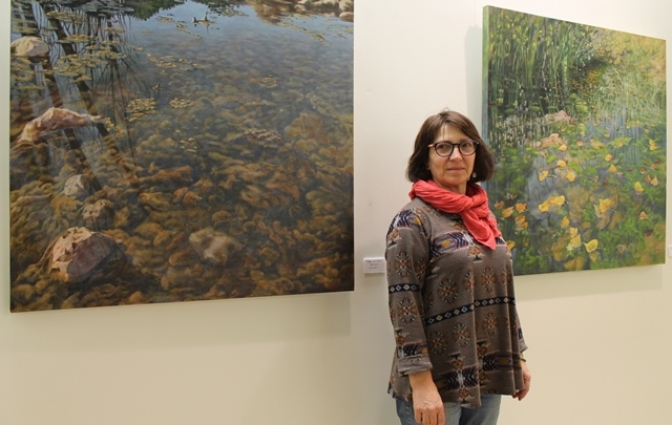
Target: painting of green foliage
(576, 118)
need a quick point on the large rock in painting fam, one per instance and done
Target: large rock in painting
(78, 253)
(29, 46)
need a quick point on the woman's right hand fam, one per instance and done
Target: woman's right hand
(427, 403)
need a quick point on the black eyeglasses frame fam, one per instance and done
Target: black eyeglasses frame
(452, 147)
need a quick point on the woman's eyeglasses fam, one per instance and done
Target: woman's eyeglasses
(466, 148)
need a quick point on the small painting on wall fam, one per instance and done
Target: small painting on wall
(179, 150)
(576, 116)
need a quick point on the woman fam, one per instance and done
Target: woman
(459, 346)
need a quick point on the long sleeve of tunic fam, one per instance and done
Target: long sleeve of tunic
(452, 307)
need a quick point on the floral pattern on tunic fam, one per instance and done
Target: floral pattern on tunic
(448, 290)
(438, 342)
(406, 310)
(488, 280)
(402, 264)
(489, 324)
(461, 334)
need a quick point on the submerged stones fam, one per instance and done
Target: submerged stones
(29, 46)
(269, 82)
(53, 119)
(343, 8)
(206, 185)
(77, 253)
(212, 245)
(76, 186)
(99, 215)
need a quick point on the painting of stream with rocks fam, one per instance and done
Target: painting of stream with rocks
(172, 150)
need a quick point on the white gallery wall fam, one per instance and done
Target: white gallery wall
(600, 341)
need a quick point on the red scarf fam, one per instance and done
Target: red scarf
(472, 207)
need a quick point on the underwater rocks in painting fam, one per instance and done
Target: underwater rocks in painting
(78, 253)
(142, 176)
(29, 46)
(272, 227)
(52, 119)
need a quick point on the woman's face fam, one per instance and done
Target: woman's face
(451, 172)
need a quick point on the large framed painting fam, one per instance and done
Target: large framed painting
(179, 150)
(576, 117)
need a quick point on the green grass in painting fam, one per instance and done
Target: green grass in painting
(576, 117)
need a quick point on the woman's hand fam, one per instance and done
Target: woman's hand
(427, 403)
(527, 378)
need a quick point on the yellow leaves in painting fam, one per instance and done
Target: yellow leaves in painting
(652, 145)
(575, 264)
(604, 205)
(584, 208)
(591, 248)
(652, 181)
(521, 222)
(557, 200)
(574, 242)
(559, 250)
(638, 187)
(519, 208)
(605, 212)
(592, 245)
(516, 211)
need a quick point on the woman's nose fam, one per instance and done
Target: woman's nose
(456, 152)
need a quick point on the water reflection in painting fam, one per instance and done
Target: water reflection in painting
(576, 116)
(179, 150)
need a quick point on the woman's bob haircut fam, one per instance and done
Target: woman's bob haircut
(484, 164)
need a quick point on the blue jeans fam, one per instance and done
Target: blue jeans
(487, 414)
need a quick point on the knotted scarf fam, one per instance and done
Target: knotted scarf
(472, 207)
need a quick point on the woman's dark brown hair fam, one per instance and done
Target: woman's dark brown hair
(484, 164)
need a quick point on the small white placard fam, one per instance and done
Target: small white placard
(374, 265)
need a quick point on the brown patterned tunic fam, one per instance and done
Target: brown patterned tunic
(452, 306)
